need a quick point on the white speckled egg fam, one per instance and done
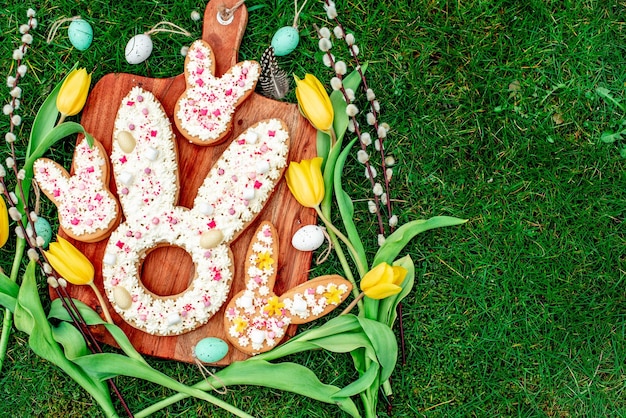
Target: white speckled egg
(210, 350)
(308, 238)
(138, 49)
(80, 34)
(285, 40)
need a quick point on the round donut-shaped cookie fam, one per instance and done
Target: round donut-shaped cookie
(233, 193)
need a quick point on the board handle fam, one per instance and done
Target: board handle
(224, 36)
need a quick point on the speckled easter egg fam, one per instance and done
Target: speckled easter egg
(80, 34)
(308, 238)
(138, 49)
(43, 230)
(210, 350)
(285, 40)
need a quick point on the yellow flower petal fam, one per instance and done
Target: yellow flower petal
(382, 290)
(305, 181)
(4, 223)
(314, 102)
(69, 262)
(73, 93)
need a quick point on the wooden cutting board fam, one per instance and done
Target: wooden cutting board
(168, 270)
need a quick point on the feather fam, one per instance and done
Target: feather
(273, 81)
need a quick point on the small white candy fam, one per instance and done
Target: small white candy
(173, 319)
(109, 259)
(299, 305)
(257, 336)
(205, 208)
(126, 178)
(308, 238)
(252, 137)
(262, 167)
(152, 153)
(248, 193)
(244, 302)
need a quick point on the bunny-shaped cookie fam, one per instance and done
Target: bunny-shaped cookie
(233, 193)
(204, 111)
(256, 318)
(87, 210)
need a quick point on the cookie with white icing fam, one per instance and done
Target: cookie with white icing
(204, 112)
(87, 210)
(231, 196)
(256, 318)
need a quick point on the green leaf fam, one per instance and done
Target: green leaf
(8, 292)
(30, 318)
(71, 339)
(323, 146)
(401, 237)
(52, 137)
(108, 365)
(387, 311)
(610, 137)
(286, 376)
(384, 343)
(346, 209)
(92, 318)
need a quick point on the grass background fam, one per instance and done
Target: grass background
(494, 118)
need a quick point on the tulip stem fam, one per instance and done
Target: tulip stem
(355, 255)
(61, 119)
(105, 310)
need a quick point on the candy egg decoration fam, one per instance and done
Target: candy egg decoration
(139, 47)
(286, 39)
(210, 350)
(80, 34)
(43, 230)
(308, 238)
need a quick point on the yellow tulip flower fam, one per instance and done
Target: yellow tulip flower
(69, 262)
(4, 223)
(314, 102)
(73, 93)
(306, 182)
(74, 267)
(383, 281)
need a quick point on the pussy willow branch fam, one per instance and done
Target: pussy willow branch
(375, 113)
(368, 166)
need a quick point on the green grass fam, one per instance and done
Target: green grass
(495, 118)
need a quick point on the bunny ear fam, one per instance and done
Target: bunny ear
(315, 298)
(87, 209)
(242, 179)
(203, 113)
(144, 154)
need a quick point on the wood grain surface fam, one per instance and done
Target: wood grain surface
(169, 270)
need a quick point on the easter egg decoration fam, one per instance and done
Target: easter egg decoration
(286, 39)
(210, 350)
(139, 47)
(43, 230)
(80, 34)
(308, 238)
